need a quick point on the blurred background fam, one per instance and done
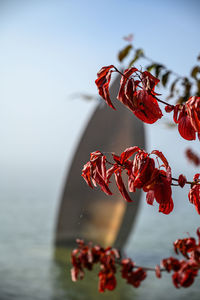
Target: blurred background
(50, 53)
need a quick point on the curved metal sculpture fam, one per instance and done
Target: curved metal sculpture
(90, 214)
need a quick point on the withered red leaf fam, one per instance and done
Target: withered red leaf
(121, 186)
(128, 152)
(121, 95)
(103, 81)
(194, 193)
(182, 180)
(157, 271)
(146, 107)
(193, 109)
(185, 127)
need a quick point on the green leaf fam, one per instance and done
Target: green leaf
(187, 85)
(172, 89)
(198, 88)
(138, 53)
(165, 78)
(195, 71)
(158, 69)
(173, 85)
(151, 67)
(180, 100)
(124, 52)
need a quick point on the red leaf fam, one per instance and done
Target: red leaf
(185, 127)
(149, 81)
(198, 234)
(169, 108)
(110, 172)
(102, 82)
(193, 108)
(128, 152)
(162, 157)
(182, 180)
(103, 71)
(162, 189)
(158, 272)
(194, 196)
(176, 110)
(101, 182)
(129, 93)
(150, 197)
(86, 174)
(94, 155)
(143, 167)
(166, 208)
(121, 186)
(121, 95)
(146, 107)
(116, 158)
(193, 157)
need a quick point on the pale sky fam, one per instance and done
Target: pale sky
(53, 49)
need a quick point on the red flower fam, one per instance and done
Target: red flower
(194, 193)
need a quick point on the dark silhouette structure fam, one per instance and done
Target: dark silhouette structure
(90, 214)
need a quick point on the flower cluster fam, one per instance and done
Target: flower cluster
(141, 171)
(137, 93)
(184, 270)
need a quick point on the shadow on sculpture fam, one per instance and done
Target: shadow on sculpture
(90, 214)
